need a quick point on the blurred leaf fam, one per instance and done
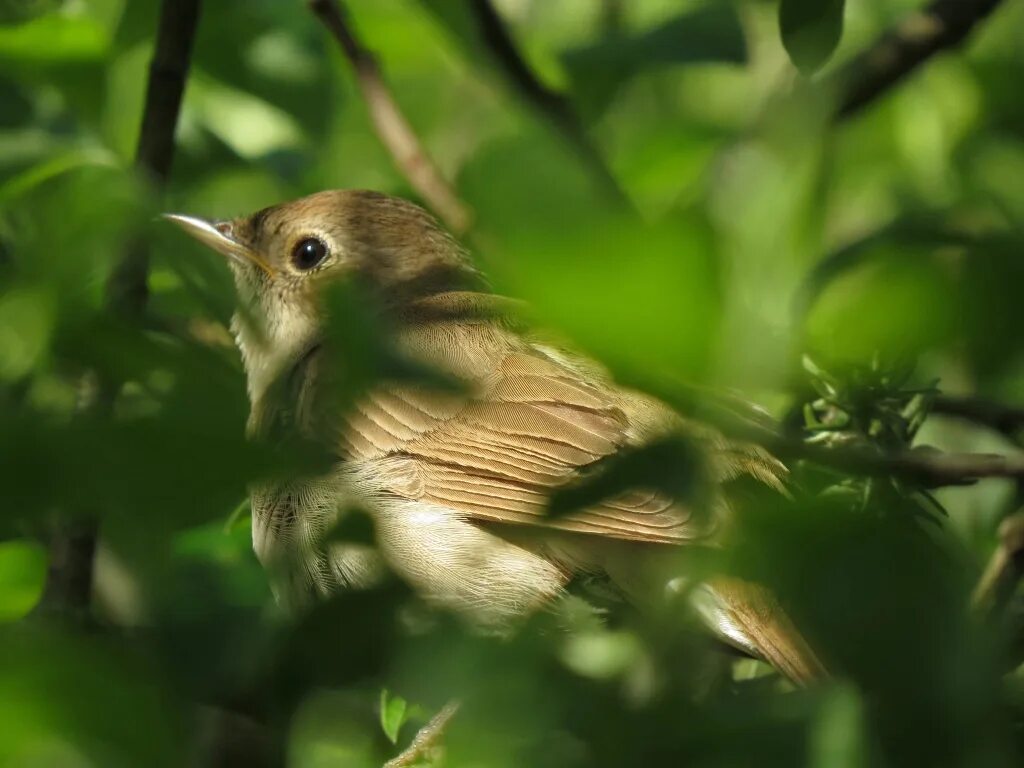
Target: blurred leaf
(20, 11)
(392, 714)
(52, 169)
(897, 304)
(22, 577)
(811, 30)
(709, 34)
(53, 39)
(67, 700)
(26, 324)
(838, 569)
(838, 737)
(642, 296)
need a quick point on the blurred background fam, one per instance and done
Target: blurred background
(683, 189)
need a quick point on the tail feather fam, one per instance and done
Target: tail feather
(749, 617)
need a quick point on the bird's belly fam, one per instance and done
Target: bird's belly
(445, 558)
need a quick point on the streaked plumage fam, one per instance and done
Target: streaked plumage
(457, 483)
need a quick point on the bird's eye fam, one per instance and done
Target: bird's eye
(309, 253)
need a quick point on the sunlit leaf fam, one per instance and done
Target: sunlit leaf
(53, 39)
(392, 714)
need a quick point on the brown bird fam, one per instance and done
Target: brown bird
(458, 483)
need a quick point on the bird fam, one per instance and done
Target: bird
(457, 480)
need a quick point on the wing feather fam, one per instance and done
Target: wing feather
(532, 423)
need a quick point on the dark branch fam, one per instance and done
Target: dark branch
(1006, 419)
(73, 542)
(941, 25)
(68, 591)
(393, 129)
(168, 73)
(551, 104)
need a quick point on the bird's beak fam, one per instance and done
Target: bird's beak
(219, 236)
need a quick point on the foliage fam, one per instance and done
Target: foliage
(838, 273)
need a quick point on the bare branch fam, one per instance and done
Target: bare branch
(1004, 571)
(392, 127)
(69, 581)
(941, 25)
(549, 103)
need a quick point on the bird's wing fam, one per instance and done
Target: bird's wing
(535, 420)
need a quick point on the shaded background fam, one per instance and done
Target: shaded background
(681, 200)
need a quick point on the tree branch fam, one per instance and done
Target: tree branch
(739, 421)
(72, 547)
(931, 469)
(897, 53)
(391, 125)
(551, 104)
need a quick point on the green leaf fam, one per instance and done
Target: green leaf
(811, 30)
(392, 714)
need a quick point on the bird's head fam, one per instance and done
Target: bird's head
(284, 256)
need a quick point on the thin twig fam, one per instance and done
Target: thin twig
(392, 127)
(72, 547)
(425, 742)
(1004, 571)
(551, 104)
(941, 25)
